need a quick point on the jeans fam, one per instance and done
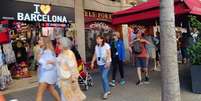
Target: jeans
(104, 76)
(117, 64)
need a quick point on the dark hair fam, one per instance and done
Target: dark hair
(101, 37)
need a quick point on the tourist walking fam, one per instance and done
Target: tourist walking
(141, 58)
(68, 73)
(118, 58)
(103, 57)
(158, 51)
(47, 73)
(151, 49)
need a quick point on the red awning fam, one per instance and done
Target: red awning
(151, 10)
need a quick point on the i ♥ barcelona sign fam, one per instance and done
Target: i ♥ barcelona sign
(25, 11)
(41, 16)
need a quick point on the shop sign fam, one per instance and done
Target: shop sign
(41, 16)
(97, 15)
(27, 11)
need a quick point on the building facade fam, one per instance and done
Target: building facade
(103, 7)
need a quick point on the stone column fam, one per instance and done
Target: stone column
(126, 43)
(125, 33)
(79, 25)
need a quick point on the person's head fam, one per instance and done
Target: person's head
(65, 43)
(157, 33)
(139, 35)
(116, 36)
(45, 42)
(100, 40)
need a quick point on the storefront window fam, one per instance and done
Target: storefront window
(94, 29)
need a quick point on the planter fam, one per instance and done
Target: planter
(196, 78)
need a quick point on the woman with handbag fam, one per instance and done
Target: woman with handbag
(68, 73)
(47, 71)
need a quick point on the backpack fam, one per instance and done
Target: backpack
(137, 49)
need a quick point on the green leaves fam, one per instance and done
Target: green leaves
(195, 23)
(195, 53)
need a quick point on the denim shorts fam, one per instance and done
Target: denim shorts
(141, 62)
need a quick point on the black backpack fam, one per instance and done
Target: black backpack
(137, 49)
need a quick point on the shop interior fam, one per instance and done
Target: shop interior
(17, 41)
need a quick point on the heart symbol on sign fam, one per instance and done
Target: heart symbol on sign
(45, 9)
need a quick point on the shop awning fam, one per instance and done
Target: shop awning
(151, 10)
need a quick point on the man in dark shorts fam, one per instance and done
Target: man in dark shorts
(141, 60)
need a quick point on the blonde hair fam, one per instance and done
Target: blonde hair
(47, 43)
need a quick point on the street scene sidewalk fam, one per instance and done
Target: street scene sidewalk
(128, 92)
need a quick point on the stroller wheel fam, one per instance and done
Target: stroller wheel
(86, 87)
(91, 84)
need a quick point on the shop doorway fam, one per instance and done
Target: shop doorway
(92, 30)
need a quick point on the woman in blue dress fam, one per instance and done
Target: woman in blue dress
(47, 72)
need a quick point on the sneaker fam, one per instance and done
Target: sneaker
(106, 95)
(146, 80)
(139, 83)
(122, 82)
(112, 84)
(109, 93)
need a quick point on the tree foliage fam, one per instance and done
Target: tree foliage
(195, 51)
(195, 23)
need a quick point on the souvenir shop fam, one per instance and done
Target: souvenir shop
(19, 31)
(96, 23)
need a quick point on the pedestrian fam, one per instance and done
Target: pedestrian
(158, 51)
(151, 48)
(141, 58)
(118, 58)
(36, 51)
(103, 57)
(68, 73)
(47, 71)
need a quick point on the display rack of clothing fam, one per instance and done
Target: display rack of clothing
(9, 53)
(5, 75)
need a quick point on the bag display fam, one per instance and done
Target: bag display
(5, 77)
(9, 53)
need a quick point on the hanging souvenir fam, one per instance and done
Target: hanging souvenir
(4, 36)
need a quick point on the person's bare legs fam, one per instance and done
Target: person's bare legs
(139, 74)
(146, 71)
(53, 92)
(41, 90)
(146, 79)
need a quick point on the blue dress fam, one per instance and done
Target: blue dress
(47, 72)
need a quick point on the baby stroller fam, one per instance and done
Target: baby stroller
(85, 78)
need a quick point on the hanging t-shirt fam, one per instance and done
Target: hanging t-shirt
(101, 54)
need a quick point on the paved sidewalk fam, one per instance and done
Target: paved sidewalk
(129, 92)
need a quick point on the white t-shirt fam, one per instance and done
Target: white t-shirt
(101, 54)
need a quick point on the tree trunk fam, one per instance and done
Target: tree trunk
(169, 62)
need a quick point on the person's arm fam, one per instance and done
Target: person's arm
(93, 61)
(108, 57)
(75, 71)
(2, 98)
(145, 41)
(123, 50)
(52, 58)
